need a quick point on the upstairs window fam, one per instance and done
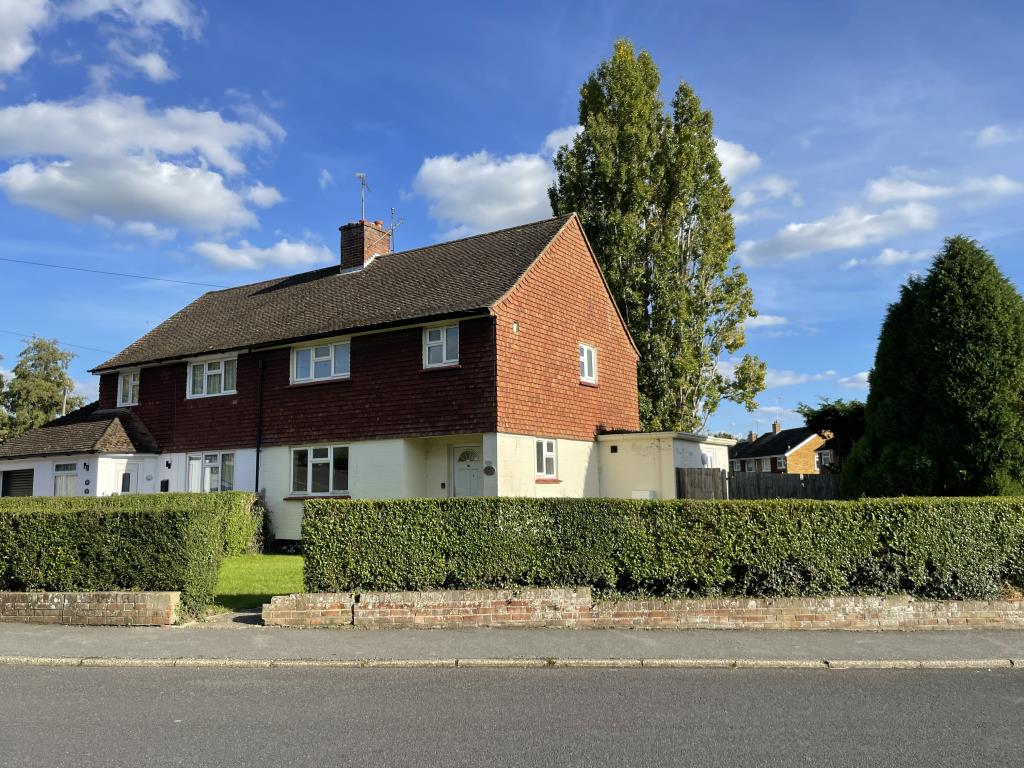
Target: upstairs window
(440, 346)
(320, 470)
(588, 364)
(209, 378)
(320, 362)
(547, 464)
(128, 389)
(210, 472)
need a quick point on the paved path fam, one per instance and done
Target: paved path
(110, 718)
(256, 643)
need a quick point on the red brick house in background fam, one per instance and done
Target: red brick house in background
(483, 366)
(800, 451)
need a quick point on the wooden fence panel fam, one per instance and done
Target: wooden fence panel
(701, 484)
(763, 485)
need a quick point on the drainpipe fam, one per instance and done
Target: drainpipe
(259, 420)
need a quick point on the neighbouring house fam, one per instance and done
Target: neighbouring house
(490, 365)
(799, 451)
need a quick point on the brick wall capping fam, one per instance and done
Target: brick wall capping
(108, 609)
(575, 608)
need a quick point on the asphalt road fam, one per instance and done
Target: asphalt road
(341, 717)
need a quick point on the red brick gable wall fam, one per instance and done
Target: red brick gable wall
(389, 394)
(560, 302)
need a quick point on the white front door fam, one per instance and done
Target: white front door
(466, 470)
(130, 478)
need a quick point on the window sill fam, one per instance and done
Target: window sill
(591, 384)
(314, 382)
(547, 481)
(448, 367)
(308, 496)
(207, 397)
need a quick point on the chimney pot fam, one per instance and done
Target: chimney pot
(361, 241)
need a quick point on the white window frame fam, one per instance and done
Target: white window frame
(782, 463)
(736, 466)
(766, 464)
(131, 397)
(749, 465)
(65, 474)
(549, 450)
(588, 377)
(206, 362)
(819, 458)
(219, 463)
(332, 346)
(310, 461)
(447, 360)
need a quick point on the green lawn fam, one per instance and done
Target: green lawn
(249, 581)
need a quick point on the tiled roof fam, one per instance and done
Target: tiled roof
(771, 444)
(457, 278)
(90, 429)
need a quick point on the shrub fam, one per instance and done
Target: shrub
(935, 547)
(144, 542)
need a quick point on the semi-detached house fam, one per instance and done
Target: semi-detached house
(483, 366)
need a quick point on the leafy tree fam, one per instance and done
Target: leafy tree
(945, 411)
(844, 419)
(649, 190)
(5, 419)
(40, 387)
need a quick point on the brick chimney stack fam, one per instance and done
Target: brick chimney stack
(361, 241)
(776, 427)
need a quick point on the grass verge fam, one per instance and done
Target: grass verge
(249, 581)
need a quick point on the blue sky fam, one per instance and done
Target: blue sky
(218, 144)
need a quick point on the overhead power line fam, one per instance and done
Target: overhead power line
(62, 343)
(112, 274)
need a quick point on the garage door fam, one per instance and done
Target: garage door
(17, 482)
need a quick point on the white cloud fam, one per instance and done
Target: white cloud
(765, 321)
(889, 257)
(736, 160)
(775, 378)
(245, 255)
(148, 230)
(993, 186)
(995, 135)
(770, 187)
(139, 13)
(153, 65)
(899, 188)
(113, 126)
(857, 381)
(134, 189)
(18, 20)
(850, 227)
(891, 189)
(89, 389)
(560, 137)
(482, 192)
(325, 179)
(263, 196)
(113, 157)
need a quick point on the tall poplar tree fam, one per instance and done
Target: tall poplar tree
(648, 187)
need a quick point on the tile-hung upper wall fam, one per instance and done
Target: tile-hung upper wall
(559, 303)
(388, 394)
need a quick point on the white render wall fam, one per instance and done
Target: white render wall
(517, 467)
(644, 464)
(42, 472)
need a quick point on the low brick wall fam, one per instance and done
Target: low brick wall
(327, 609)
(111, 609)
(574, 608)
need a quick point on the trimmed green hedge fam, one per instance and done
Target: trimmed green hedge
(137, 542)
(934, 547)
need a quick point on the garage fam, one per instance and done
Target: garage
(16, 482)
